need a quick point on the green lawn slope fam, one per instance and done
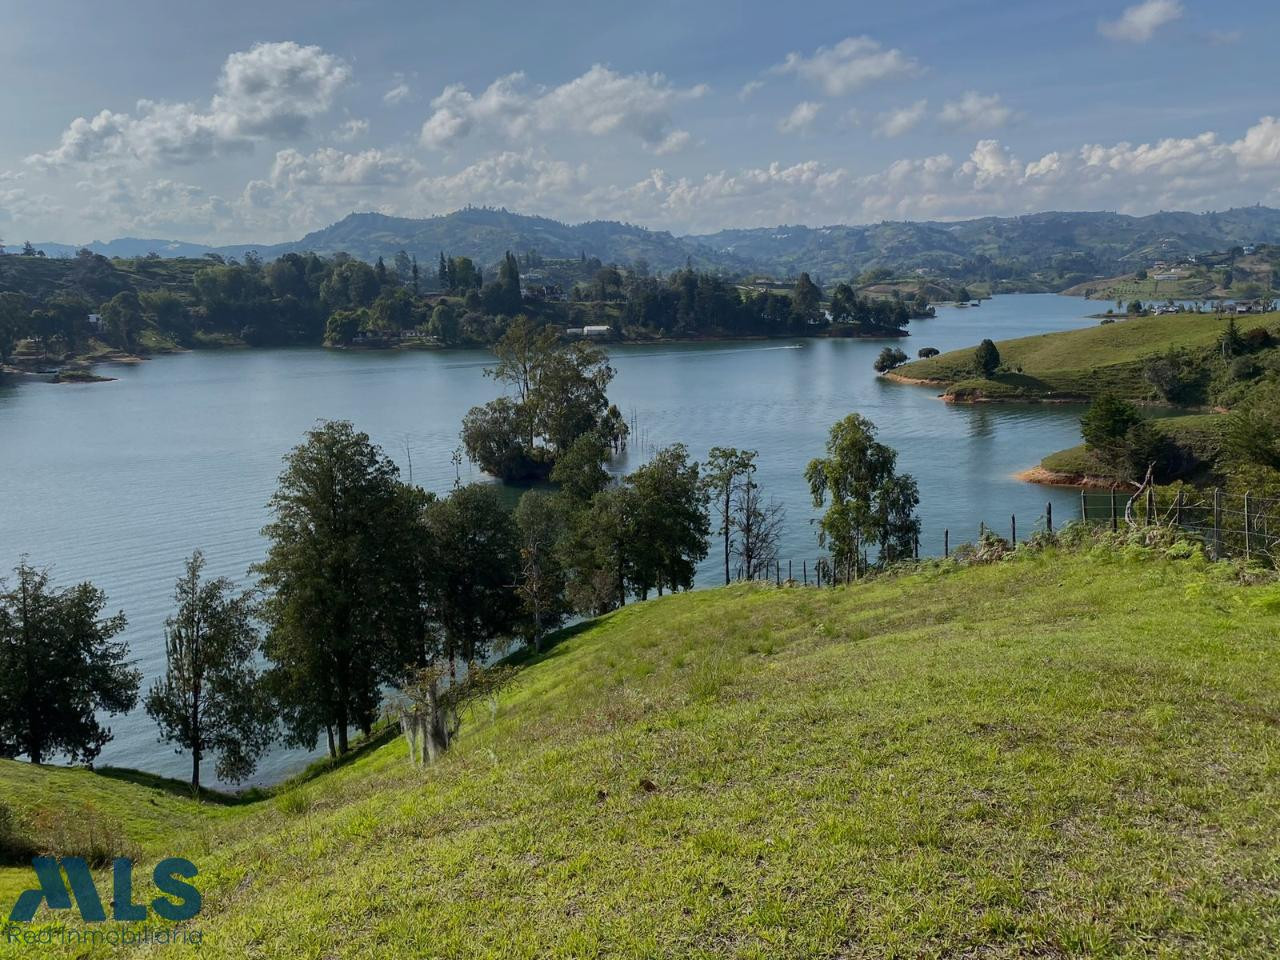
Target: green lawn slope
(1065, 754)
(1078, 363)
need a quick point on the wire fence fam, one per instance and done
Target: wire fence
(1229, 525)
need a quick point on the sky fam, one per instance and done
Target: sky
(257, 122)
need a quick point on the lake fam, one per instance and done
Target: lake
(118, 482)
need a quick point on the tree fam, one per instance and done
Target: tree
(478, 562)
(122, 319)
(759, 529)
(986, 358)
(1253, 431)
(806, 301)
(669, 522)
(867, 501)
(924, 353)
(1231, 343)
(726, 467)
(580, 472)
(559, 397)
(599, 552)
(14, 317)
(404, 268)
(211, 698)
(1106, 422)
(59, 669)
(444, 323)
(540, 525)
(336, 598)
(889, 358)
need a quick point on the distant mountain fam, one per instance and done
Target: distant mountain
(1062, 242)
(1060, 246)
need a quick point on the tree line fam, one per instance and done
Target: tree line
(305, 298)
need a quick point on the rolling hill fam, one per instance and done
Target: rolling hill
(1038, 251)
(1005, 760)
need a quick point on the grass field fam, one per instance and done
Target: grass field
(1081, 363)
(1066, 754)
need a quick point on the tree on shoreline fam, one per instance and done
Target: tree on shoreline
(866, 501)
(986, 357)
(211, 698)
(337, 598)
(725, 468)
(59, 669)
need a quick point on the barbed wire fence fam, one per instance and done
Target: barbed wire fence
(1228, 524)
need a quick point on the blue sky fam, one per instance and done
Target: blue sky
(258, 122)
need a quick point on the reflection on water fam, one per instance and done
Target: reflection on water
(119, 482)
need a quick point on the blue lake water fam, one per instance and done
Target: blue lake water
(118, 482)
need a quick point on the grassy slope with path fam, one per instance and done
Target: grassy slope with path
(1079, 363)
(1006, 761)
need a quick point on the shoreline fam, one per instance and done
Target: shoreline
(1053, 478)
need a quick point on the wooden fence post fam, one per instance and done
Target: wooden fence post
(1151, 505)
(1246, 524)
(1217, 524)
(1048, 515)
(806, 572)
(946, 542)
(1013, 529)
(1177, 509)
(1114, 520)
(1084, 506)
(789, 577)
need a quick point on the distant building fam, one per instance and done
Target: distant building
(597, 330)
(95, 321)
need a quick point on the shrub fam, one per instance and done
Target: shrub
(14, 843)
(1177, 377)
(80, 832)
(924, 353)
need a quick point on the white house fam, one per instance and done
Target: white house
(597, 330)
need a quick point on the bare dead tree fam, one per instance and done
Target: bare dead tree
(759, 528)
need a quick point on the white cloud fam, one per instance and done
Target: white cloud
(1260, 146)
(1197, 173)
(526, 180)
(598, 103)
(801, 117)
(352, 129)
(1140, 22)
(153, 206)
(328, 167)
(397, 93)
(673, 142)
(895, 123)
(850, 65)
(973, 111)
(748, 88)
(269, 92)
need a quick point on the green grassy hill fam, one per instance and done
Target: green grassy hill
(1079, 363)
(1065, 754)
